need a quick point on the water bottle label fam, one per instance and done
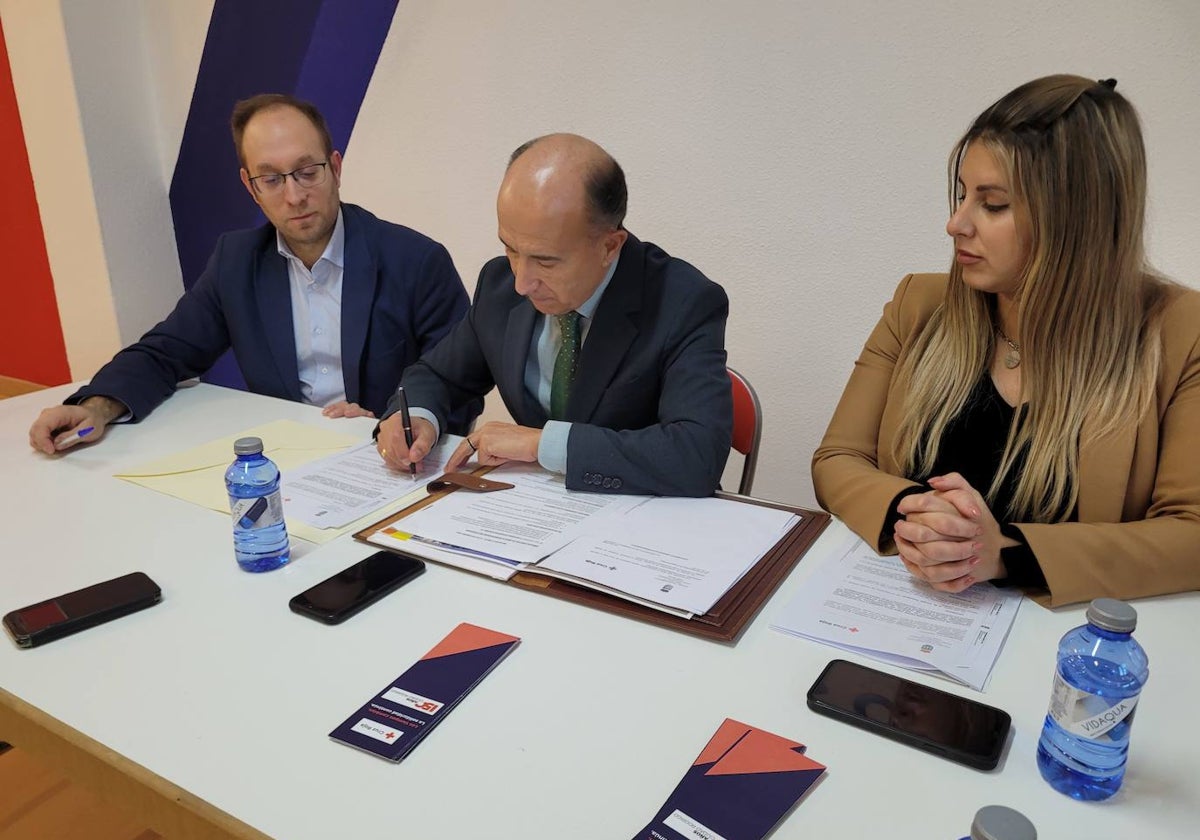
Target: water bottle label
(1084, 714)
(262, 512)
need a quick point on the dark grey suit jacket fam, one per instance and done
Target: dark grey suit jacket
(651, 406)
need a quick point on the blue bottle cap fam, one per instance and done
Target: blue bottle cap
(1112, 615)
(996, 822)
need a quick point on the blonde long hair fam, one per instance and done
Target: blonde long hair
(1088, 303)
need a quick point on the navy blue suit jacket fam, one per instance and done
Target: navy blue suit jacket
(400, 296)
(651, 406)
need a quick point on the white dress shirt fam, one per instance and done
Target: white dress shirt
(317, 318)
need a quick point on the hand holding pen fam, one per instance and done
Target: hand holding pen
(404, 440)
(63, 427)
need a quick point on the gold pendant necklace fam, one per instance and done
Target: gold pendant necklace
(1012, 358)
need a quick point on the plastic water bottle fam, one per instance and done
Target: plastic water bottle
(260, 538)
(1101, 671)
(996, 822)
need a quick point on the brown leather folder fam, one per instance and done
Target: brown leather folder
(728, 617)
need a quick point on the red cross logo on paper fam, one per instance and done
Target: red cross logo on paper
(374, 730)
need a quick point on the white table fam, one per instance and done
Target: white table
(582, 732)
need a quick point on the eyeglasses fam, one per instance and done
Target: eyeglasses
(312, 175)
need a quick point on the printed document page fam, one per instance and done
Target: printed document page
(862, 602)
(682, 553)
(535, 518)
(334, 491)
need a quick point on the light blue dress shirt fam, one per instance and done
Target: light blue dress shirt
(317, 318)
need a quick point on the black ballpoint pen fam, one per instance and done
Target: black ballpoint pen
(406, 422)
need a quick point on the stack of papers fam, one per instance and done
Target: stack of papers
(679, 556)
(675, 555)
(860, 601)
(680, 553)
(340, 489)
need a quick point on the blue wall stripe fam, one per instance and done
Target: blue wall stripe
(324, 51)
(341, 59)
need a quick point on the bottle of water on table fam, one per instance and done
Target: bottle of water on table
(260, 538)
(1101, 671)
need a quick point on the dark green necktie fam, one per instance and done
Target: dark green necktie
(564, 365)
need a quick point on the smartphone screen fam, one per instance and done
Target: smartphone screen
(937, 721)
(83, 608)
(337, 598)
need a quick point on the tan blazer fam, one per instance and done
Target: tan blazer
(1138, 532)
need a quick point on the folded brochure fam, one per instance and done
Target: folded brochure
(396, 719)
(739, 787)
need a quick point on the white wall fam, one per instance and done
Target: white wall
(793, 151)
(175, 34)
(110, 60)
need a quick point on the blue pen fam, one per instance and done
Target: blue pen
(74, 437)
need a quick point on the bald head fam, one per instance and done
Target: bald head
(571, 171)
(559, 214)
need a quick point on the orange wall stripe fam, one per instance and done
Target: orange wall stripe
(31, 338)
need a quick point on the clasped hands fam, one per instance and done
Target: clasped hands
(948, 536)
(494, 443)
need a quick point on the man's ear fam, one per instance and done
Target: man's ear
(335, 163)
(613, 240)
(249, 187)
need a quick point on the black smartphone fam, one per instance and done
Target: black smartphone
(40, 623)
(939, 722)
(351, 590)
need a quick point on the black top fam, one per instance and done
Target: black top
(972, 446)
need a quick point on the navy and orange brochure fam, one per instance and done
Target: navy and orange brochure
(738, 788)
(396, 719)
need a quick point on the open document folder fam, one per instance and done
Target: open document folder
(355, 481)
(676, 555)
(860, 601)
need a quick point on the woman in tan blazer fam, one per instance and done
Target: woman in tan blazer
(1033, 417)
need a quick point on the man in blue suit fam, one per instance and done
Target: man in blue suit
(608, 352)
(326, 304)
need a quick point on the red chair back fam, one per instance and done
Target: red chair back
(747, 426)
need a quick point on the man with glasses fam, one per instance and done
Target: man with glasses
(326, 304)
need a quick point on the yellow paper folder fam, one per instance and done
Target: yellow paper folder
(198, 475)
